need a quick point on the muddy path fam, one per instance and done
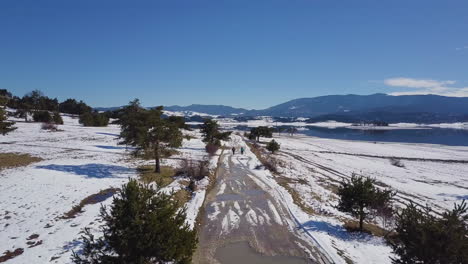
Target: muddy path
(237, 209)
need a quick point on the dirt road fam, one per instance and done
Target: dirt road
(238, 209)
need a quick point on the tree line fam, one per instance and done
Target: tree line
(47, 110)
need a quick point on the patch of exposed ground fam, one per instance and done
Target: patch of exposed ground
(148, 175)
(92, 199)
(7, 255)
(12, 160)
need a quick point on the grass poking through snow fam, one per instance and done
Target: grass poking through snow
(11, 160)
(147, 175)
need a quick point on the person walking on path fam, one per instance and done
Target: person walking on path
(242, 150)
(233, 150)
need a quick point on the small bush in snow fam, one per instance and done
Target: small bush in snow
(42, 116)
(57, 118)
(211, 149)
(49, 126)
(397, 163)
(273, 146)
(194, 169)
(94, 119)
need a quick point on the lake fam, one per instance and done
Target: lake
(443, 136)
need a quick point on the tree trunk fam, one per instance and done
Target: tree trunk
(157, 168)
(361, 218)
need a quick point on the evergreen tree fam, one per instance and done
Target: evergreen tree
(273, 146)
(424, 238)
(211, 133)
(94, 119)
(42, 116)
(5, 125)
(261, 131)
(147, 130)
(71, 106)
(57, 118)
(133, 128)
(359, 194)
(142, 226)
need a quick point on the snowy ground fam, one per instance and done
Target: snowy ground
(77, 162)
(314, 166)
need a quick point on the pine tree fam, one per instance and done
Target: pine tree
(359, 194)
(424, 238)
(211, 133)
(57, 118)
(42, 116)
(273, 146)
(261, 131)
(94, 119)
(149, 131)
(5, 125)
(142, 226)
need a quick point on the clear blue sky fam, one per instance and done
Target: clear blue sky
(249, 53)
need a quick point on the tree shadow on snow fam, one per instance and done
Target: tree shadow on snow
(92, 170)
(335, 231)
(107, 134)
(111, 147)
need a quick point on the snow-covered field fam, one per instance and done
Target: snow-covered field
(431, 174)
(81, 161)
(77, 162)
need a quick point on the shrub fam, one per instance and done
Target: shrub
(424, 238)
(94, 119)
(397, 162)
(143, 225)
(49, 126)
(271, 164)
(195, 170)
(273, 146)
(5, 125)
(57, 118)
(211, 149)
(42, 116)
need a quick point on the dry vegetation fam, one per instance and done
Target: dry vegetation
(182, 197)
(92, 199)
(12, 160)
(147, 175)
(271, 164)
(7, 255)
(353, 226)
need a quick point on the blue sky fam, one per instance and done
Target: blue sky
(250, 54)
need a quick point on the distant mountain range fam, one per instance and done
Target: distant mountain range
(207, 109)
(353, 108)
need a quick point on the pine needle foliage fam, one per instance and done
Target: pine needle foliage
(149, 131)
(211, 133)
(422, 237)
(142, 226)
(273, 146)
(359, 195)
(5, 126)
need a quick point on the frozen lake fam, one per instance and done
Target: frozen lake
(443, 136)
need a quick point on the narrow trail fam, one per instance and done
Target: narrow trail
(238, 209)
